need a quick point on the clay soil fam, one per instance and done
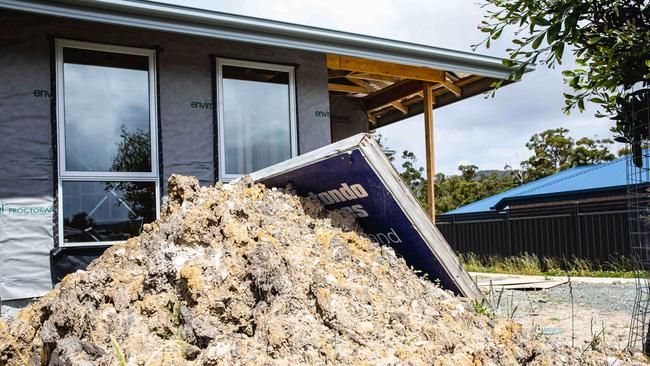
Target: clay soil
(243, 275)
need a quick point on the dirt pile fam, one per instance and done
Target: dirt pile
(242, 275)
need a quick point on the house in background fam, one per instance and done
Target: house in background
(101, 101)
(580, 212)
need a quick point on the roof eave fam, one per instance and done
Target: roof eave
(180, 19)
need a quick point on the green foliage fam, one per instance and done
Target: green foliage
(470, 186)
(455, 190)
(414, 177)
(554, 151)
(609, 39)
(482, 307)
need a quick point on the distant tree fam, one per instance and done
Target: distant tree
(470, 186)
(414, 177)
(553, 151)
(588, 151)
(468, 172)
(518, 176)
(627, 150)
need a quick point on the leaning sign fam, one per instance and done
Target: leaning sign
(355, 175)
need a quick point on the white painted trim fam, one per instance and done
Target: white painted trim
(60, 108)
(80, 176)
(220, 108)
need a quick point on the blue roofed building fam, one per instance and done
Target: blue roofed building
(580, 212)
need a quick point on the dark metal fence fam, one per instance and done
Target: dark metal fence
(593, 230)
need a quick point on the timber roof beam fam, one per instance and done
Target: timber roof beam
(355, 89)
(357, 64)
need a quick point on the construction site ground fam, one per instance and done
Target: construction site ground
(601, 308)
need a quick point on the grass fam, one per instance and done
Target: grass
(530, 264)
(119, 354)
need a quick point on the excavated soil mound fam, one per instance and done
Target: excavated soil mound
(242, 275)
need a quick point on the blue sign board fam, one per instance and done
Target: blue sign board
(345, 179)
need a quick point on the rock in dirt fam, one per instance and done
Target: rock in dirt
(243, 275)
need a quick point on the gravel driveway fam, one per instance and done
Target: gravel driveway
(601, 311)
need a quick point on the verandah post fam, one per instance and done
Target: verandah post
(428, 136)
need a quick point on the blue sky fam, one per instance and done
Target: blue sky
(488, 132)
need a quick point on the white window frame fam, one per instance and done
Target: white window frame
(220, 62)
(81, 176)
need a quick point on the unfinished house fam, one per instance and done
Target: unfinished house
(101, 101)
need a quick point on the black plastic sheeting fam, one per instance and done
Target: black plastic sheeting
(64, 261)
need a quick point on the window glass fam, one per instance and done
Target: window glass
(106, 211)
(106, 100)
(256, 118)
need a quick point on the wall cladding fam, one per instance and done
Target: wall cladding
(186, 120)
(347, 116)
(26, 163)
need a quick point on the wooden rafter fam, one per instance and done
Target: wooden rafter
(391, 93)
(384, 88)
(451, 77)
(373, 77)
(400, 107)
(472, 85)
(336, 74)
(368, 87)
(337, 62)
(452, 88)
(408, 88)
(372, 86)
(346, 88)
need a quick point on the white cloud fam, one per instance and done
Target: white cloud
(488, 132)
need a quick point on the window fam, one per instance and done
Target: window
(107, 147)
(256, 116)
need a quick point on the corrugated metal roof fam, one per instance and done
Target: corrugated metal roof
(579, 179)
(182, 19)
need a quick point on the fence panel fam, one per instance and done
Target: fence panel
(571, 232)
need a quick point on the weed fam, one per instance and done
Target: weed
(536, 330)
(496, 303)
(119, 354)
(595, 339)
(181, 342)
(512, 309)
(482, 307)
(573, 329)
